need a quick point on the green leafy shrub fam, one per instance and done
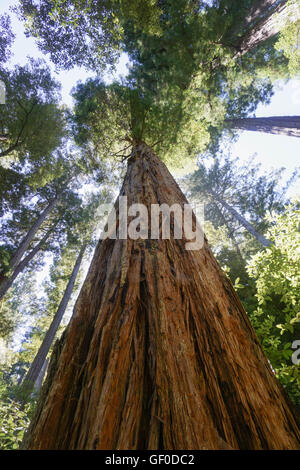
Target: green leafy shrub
(276, 317)
(14, 419)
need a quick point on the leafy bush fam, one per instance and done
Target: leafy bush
(276, 317)
(14, 419)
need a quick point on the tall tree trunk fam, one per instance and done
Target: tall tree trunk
(268, 26)
(259, 237)
(159, 353)
(279, 125)
(258, 10)
(22, 248)
(39, 381)
(6, 282)
(39, 360)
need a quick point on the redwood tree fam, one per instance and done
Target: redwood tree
(32, 120)
(159, 353)
(166, 357)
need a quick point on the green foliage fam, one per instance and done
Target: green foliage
(189, 74)
(86, 32)
(16, 411)
(6, 37)
(31, 118)
(180, 69)
(12, 189)
(276, 272)
(249, 191)
(14, 419)
(114, 117)
(8, 319)
(17, 307)
(289, 44)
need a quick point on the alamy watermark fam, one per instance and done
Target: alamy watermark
(296, 354)
(160, 222)
(2, 92)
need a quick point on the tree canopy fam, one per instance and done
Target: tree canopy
(6, 38)
(31, 118)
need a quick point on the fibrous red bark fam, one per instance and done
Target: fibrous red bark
(159, 353)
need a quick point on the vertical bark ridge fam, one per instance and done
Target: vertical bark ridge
(160, 353)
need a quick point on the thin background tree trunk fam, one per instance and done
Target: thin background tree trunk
(259, 237)
(39, 381)
(160, 353)
(7, 282)
(279, 125)
(39, 360)
(17, 256)
(230, 232)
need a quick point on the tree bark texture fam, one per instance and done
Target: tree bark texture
(40, 358)
(159, 353)
(259, 9)
(269, 26)
(279, 125)
(256, 12)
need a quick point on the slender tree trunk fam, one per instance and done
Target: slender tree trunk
(19, 253)
(269, 26)
(41, 355)
(39, 381)
(279, 125)
(159, 353)
(230, 233)
(259, 237)
(7, 282)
